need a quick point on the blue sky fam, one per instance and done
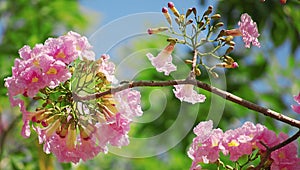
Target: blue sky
(115, 9)
(118, 20)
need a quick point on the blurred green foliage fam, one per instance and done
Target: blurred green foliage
(258, 79)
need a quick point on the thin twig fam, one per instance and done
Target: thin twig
(194, 61)
(207, 87)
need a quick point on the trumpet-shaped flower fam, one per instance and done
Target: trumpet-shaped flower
(188, 94)
(163, 61)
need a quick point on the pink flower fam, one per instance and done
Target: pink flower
(296, 108)
(267, 137)
(285, 157)
(239, 142)
(206, 146)
(128, 103)
(163, 61)
(114, 132)
(69, 148)
(188, 94)
(247, 29)
(106, 67)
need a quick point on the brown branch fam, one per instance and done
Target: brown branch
(207, 87)
(270, 150)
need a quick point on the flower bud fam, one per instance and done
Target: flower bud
(221, 34)
(282, 2)
(194, 11)
(216, 16)
(231, 43)
(219, 24)
(197, 72)
(189, 22)
(172, 40)
(200, 24)
(229, 49)
(228, 39)
(214, 74)
(167, 15)
(188, 12)
(188, 61)
(37, 98)
(156, 30)
(173, 9)
(208, 11)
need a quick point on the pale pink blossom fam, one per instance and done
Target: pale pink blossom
(296, 108)
(163, 61)
(129, 103)
(106, 67)
(188, 94)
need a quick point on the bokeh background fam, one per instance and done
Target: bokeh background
(268, 75)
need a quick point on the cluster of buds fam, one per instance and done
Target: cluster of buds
(208, 22)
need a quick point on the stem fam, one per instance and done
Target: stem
(194, 61)
(207, 87)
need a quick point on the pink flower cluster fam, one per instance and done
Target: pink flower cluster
(77, 131)
(93, 138)
(296, 108)
(46, 65)
(210, 142)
